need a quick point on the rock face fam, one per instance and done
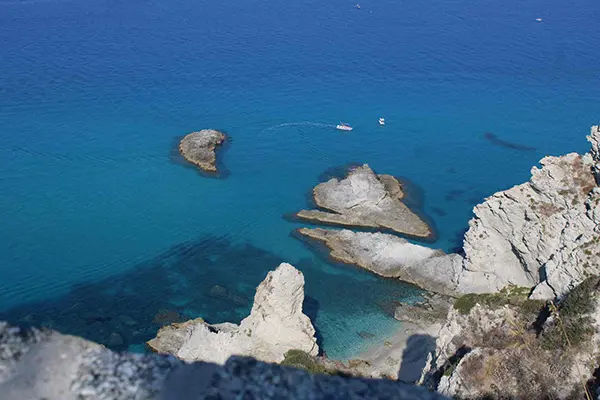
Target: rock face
(543, 233)
(364, 199)
(38, 364)
(199, 148)
(505, 346)
(391, 257)
(275, 325)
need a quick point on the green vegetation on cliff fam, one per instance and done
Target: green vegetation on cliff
(511, 295)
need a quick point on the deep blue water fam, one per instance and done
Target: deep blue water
(101, 224)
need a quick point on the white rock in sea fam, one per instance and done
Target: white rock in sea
(199, 148)
(392, 257)
(544, 232)
(364, 199)
(275, 325)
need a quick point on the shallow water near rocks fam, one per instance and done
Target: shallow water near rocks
(102, 228)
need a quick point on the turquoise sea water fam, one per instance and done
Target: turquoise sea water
(102, 226)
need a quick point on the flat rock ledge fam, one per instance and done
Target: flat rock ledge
(36, 364)
(364, 199)
(392, 257)
(199, 148)
(275, 325)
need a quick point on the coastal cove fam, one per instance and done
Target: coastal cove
(102, 225)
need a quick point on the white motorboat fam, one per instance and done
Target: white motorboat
(381, 121)
(343, 127)
(538, 20)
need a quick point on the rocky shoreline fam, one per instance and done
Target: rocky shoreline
(199, 148)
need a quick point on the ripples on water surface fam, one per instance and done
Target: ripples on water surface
(102, 227)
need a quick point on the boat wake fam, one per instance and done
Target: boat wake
(302, 123)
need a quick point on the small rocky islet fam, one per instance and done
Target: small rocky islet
(199, 148)
(366, 200)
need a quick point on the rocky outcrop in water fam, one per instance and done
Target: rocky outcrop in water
(504, 345)
(543, 233)
(391, 257)
(199, 148)
(37, 364)
(364, 199)
(275, 325)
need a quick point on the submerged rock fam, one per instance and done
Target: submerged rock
(275, 325)
(199, 148)
(364, 199)
(391, 257)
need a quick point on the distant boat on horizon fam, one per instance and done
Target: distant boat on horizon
(342, 126)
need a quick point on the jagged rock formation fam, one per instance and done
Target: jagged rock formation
(543, 233)
(364, 199)
(275, 325)
(38, 364)
(391, 257)
(505, 345)
(199, 148)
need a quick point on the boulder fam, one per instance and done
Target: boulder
(199, 148)
(275, 325)
(364, 199)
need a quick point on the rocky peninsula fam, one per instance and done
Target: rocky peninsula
(364, 199)
(391, 257)
(275, 325)
(199, 148)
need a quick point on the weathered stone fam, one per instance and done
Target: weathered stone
(275, 325)
(364, 199)
(392, 257)
(545, 231)
(199, 148)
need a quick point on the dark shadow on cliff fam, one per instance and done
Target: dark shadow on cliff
(414, 357)
(222, 172)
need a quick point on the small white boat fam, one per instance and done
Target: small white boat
(538, 20)
(381, 121)
(358, 6)
(343, 127)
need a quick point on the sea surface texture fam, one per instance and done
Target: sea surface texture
(106, 233)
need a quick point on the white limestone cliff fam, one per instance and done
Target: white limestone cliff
(275, 325)
(543, 233)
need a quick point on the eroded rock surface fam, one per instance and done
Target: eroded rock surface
(542, 233)
(275, 325)
(391, 256)
(199, 148)
(364, 199)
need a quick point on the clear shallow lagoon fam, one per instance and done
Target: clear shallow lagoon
(102, 224)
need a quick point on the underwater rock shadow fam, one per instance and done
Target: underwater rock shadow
(199, 278)
(209, 278)
(492, 138)
(222, 172)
